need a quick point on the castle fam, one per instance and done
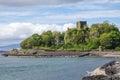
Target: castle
(80, 24)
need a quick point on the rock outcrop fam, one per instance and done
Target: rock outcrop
(109, 71)
(45, 53)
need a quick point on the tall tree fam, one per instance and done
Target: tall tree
(110, 40)
(97, 29)
(47, 38)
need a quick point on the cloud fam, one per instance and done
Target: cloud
(23, 3)
(53, 17)
(56, 18)
(13, 13)
(118, 25)
(15, 32)
(27, 3)
(89, 14)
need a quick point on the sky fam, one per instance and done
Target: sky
(20, 19)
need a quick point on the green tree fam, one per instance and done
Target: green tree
(33, 41)
(93, 43)
(27, 43)
(36, 40)
(98, 29)
(85, 34)
(47, 38)
(77, 36)
(110, 40)
(58, 37)
(72, 36)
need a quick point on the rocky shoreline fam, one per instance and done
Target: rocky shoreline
(44, 53)
(109, 71)
(58, 53)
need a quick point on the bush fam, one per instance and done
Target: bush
(117, 49)
(93, 44)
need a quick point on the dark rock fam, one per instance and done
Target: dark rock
(14, 51)
(31, 51)
(115, 78)
(108, 64)
(111, 69)
(96, 77)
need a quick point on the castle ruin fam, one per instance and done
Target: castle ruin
(80, 24)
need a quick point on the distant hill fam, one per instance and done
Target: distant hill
(9, 47)
(2, 51)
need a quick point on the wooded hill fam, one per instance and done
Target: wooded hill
(100, 35)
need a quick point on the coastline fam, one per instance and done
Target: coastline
(60, 53)
(108, 71)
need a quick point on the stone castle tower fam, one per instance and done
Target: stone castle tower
(80, 24)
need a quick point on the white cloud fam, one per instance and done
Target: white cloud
(118, 25)
(114, 1)
(24, 3)
(51, 18)
(31, 3)
(15, 32)
(15, 14)
(79, 15)
(87, 6)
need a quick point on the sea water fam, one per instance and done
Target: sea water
(48, 68)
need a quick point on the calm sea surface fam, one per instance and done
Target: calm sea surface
(48, 68)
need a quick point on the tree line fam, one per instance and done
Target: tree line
(101, 35)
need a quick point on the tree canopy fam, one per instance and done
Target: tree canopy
(110, 40)
(101, 34)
